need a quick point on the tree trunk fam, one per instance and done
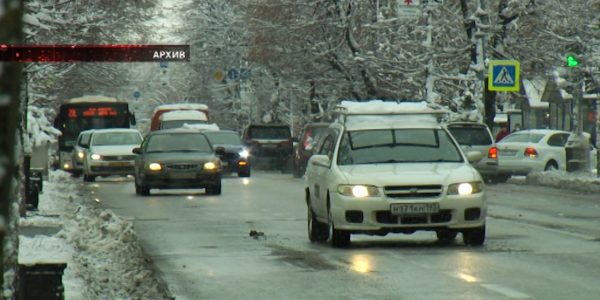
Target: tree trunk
(10, 75)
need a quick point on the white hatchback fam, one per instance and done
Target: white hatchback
(109, 153)
(379, 174)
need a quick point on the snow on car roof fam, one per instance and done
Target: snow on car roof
(387, 107)
(97, 98)
(183, 115)
(181, 106)
(368, 122)
(201, 127)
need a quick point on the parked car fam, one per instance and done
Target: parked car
(271, 143)
(235, 158)
(176, 159)
(79, 151)
(109, 153)
(534, 150)
(472, 136)
(378, 175)
(307, 139)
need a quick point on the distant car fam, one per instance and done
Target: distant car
(270, 142)
(178, 118)
(79, 151)
(474, 136)
(533, 150)
(307, 140)
(235, 158)
(109, 153)
(177, 159)
(392, 173)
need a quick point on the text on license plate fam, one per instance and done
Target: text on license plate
(414, 208)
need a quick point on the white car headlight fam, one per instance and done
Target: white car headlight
(209, 166)
(244, 153)
(154, 167)
(80, 154)
(358, 190)
(96, 156)
(465, 188)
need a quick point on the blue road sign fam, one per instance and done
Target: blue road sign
(503, 76)
(233, 74)
(163, 64)
(136, 94)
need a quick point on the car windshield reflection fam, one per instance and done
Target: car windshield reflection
(178, 143)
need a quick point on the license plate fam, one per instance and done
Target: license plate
(182, 175)
(119, 164)
(414, 208)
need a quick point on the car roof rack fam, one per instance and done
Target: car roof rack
(388, 108)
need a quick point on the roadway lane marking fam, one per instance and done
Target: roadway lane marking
(508, 292)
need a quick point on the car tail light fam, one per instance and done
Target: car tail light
(242, 163)
(307, 139)
(493, 153)
(531, 152)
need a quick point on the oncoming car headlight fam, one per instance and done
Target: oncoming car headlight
(244, 153)
(210, 166)
(96, 156)
(80, 154)
(465, 188)
(357, 190)
(154, 167)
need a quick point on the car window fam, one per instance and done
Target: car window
(183, 142)
(276, 132)
(223, 138)
(471, 135)
(558, 139)
(116, 138)
(397, 145)
(327, 146)
(85, 139)
(178, 123)
(523, 138)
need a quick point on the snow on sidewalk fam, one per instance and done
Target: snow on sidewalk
(582, 182)
(104, 259)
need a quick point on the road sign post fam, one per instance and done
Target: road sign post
(504, 76)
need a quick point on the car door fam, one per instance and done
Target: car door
(321, 175)
(556, 149)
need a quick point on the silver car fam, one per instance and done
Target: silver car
(177, 159)
(109, 153)
(79, 151)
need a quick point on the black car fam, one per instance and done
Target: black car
(307, 140)
(235, 158)
(270, 142)
(177, 158)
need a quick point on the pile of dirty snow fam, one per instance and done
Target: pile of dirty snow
(583, 182)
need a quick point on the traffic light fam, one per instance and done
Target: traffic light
(572, 60)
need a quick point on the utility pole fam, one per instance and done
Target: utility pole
(10, 76)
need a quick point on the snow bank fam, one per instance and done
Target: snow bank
(583, 182)
(39, 128)
(104, 259)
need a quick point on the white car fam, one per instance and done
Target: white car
(79, 150)
(110, 153)
(397, 173)
(534, 150)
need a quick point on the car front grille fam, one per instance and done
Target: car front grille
(181, 166)
(413, 191)
(118, 157)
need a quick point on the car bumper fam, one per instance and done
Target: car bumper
(487, 167)
(175, 180)
(374, 215)
(110, 168)
(235, 165)
(519, 166)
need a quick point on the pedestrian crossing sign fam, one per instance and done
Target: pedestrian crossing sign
(503, 75)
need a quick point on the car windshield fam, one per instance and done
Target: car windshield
(270, 133)
(523, 138)
(223, 138)
(471, 135)
(397, 146)
(178, 123)
(116, 138)
(182, 142)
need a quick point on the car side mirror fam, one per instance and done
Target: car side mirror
(474, 156)
(220, 151)
(137, 150)
(320, 160)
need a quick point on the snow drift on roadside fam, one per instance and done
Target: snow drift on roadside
(573, 181)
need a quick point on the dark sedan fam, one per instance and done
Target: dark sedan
(235, 158)
(178, 158)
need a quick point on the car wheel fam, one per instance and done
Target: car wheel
(214, 189)
(89, 178)
(474, 236)
(500, 178)
(446, 235)
(317, 231)
(551, 166)
(339, 238)
(76, 174)
(244, 174)
(144, 190)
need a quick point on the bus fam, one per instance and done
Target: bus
(87, 112)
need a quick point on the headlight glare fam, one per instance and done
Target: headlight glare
(244, 153)
(210, 166)
(358, 190)
(154, 167)
(465, 188)
(80, 154)
(96, 156)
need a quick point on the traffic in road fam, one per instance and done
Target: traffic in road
(251, 242)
